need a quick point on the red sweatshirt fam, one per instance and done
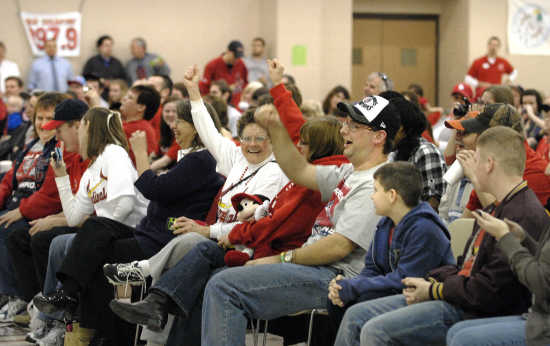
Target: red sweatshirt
(293, 211)
(143, 125)
(45, 201)
(218, 69)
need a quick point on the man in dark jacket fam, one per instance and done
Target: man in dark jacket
(482, 285)
(409, 241)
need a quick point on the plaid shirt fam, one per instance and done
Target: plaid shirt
(429, 161)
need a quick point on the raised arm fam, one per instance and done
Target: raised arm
(294, 165)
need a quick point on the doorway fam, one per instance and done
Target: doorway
(405, 47)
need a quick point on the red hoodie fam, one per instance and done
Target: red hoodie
(294, 209)
(45, 201)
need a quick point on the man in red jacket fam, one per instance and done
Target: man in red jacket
(230, 67)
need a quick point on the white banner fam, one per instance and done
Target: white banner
(529, 27)
(64, 27)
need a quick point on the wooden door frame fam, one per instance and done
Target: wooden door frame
(426, 17)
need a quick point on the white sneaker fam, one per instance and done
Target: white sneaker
(39, 329)
(55, 337)
(14, 307)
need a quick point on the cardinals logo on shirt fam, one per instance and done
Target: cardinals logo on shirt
(97, 196)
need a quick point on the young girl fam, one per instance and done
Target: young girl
(168, 147)
(106, 188)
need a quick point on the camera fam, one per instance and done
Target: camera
(85, 88)
(461, 110)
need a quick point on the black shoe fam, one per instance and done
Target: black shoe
(58, 301)
(150, 312)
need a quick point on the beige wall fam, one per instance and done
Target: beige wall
(532, 69)
(186, 32)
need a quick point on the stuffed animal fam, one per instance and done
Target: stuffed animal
(246, 206)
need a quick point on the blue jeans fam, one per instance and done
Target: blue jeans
(58, 250)
(8, 284)
(508, 330)
(389, 321)
(259, 292)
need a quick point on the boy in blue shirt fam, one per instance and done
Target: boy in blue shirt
(409, 240)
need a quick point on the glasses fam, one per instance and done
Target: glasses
(354, 126)
(257, 139)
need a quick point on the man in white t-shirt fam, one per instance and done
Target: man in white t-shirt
(297, 280)
(7, 68)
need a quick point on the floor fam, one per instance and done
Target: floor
(17, 337)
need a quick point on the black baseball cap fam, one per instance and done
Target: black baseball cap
(374, 111)
(71, 109)
(237, 48)
(477, 123)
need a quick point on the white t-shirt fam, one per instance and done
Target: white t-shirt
(110, 177)
(233, 116)
(268, 181)
(7, 69)
(349, 211)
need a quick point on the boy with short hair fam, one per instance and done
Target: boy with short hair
(14, 107)
(410, 240)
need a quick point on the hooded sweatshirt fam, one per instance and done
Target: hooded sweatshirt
(420, 242)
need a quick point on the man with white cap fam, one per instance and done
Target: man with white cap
(298, 280)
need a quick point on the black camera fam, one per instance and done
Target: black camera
(460, 109)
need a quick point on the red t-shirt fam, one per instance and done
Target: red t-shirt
(155, 122)
(485, 71)
(543, 148)
(143, 125)
(173, 151)
(218, 69)
(533, 174)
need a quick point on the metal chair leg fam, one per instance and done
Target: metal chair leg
(310, 331)
(265, 333)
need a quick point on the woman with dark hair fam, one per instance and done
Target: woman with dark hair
(168, 147)
(410, 146)
(336, 95)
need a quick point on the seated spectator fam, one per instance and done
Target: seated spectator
(505, 115)
(482, 284)
(336, 95)
(14, 86)
(410, 227)
(29, 248)
(139, 105)
(168, 146)
(14, 108)
(531, 269)
(221, 109)
(410, 146)
(428, 133)
(340, 235)
(498, 94)
(462, 98)
(543, 146)
(286, 225)
(27, 192)
(180, 91)
(186, 190)
(531, 104)
(104, 64)
(311, 109)
(144, 64)
(230, 68)
(117, 90)
(246, 96)
(517, 91)
(221, 89)
(93, 82)
(376, 83)
(30, 113)
(250, 167)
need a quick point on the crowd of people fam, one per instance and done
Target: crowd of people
(229, 199)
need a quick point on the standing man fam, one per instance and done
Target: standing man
(489, 69)
(50, 72)
(7, 68)
(256, 63)
(143, 64)
(229, 67)
(104, 64)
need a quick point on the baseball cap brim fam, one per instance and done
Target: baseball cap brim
(471, 125)
(348, 109)
(454, 124)
(52, 124)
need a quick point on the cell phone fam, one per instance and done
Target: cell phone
(57, 155)
(170, 223)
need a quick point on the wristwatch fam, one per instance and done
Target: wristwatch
(287, 256)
